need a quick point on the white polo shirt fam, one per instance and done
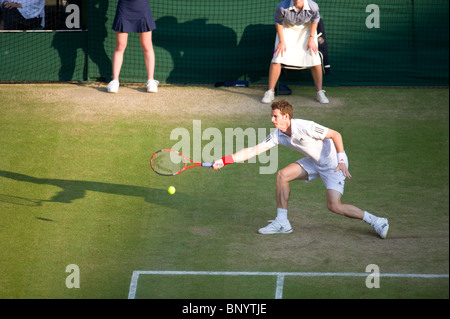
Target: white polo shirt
(308, 138)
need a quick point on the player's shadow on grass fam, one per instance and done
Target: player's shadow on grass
(75, 189)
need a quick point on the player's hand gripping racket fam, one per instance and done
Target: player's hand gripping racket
(168, 162)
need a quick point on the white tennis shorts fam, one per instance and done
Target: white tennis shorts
(331, 179)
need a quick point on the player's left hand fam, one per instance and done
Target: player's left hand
(343, 168)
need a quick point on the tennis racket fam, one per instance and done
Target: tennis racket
(168, 162)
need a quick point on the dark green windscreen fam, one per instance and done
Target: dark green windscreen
(397, 42)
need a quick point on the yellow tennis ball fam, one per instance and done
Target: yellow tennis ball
(171, 190)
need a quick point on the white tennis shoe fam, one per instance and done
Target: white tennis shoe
(113, 86)
(268, 97)
(321, 97)
(381, 226)
(276, 227)
(152, 86)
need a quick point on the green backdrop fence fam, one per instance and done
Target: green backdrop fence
(208, 41)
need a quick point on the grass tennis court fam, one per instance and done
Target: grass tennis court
(76, 188)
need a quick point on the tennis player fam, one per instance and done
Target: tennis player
(325, 158)
(296, 44)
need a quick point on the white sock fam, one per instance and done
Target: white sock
(369, 218)
(281, 215)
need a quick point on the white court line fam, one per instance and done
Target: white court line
(280, 276)
(280, 284)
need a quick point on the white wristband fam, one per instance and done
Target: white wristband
(342, 158)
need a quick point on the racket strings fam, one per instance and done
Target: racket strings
(167, 163)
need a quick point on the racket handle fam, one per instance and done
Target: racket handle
(207, 164)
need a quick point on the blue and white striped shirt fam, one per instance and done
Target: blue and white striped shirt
(287, 12)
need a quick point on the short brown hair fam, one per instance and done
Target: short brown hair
(285, 108)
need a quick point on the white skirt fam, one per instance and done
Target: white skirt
(296, 38)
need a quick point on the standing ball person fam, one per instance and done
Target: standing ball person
(325, 158)
(133, 16)
(296, 44)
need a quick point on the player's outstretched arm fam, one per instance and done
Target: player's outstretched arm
(240, 156)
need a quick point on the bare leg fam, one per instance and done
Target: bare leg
(281, 224)
(274, 74)
(149, 54)
(316, 72)
(121, 45)
(335, 205)
(284, 177)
